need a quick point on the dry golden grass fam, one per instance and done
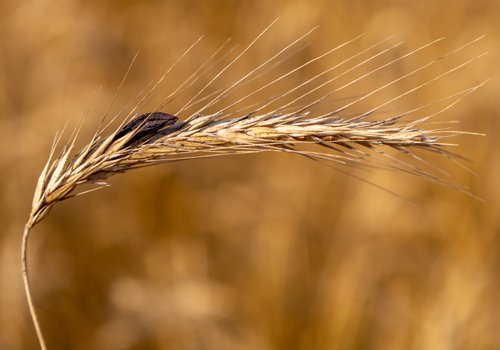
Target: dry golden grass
(268, 251)
(158, 137)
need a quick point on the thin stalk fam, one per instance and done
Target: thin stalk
(27, 290)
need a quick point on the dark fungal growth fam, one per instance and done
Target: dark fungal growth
(145, 126)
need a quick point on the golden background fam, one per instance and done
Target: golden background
(249, 252)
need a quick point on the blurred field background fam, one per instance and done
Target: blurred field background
(253, 252)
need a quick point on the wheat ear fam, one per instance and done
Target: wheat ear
(159, 137)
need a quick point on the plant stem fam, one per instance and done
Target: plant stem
(24, 267)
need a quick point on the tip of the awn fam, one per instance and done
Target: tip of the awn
(479, 37)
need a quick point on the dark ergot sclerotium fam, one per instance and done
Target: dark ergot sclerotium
(149, 124)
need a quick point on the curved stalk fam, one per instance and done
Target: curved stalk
(24, 267)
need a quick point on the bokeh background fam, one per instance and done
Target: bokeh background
(250, 252)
